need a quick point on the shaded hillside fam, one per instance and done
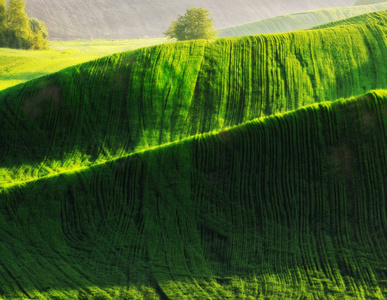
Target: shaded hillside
(72, 19)
(291, 206)
(132, 101)
(302, 20)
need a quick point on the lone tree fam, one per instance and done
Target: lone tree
(195, 24)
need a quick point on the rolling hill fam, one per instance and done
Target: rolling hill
(123, 19)
(128, 102)
(375, 18)
(290, 206)
(202, 170)
(300, 20)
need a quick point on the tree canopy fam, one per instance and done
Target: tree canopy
(3, 23)
(17, 30)
(195, 24)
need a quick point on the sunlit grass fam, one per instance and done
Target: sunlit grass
(217, 169)
(18, 66)
(127, 102)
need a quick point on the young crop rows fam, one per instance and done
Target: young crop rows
(287, 207)
(132, 101)
(202, 170)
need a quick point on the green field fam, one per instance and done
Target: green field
(135, 100)
(236, 168)
(297, 21)
(18, 66)
(291, 206)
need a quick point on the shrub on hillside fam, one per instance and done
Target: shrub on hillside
(39, 34)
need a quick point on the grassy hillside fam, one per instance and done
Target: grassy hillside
(132, 101)
(287, 207)
(17, 66)
(296, 21)
(123, 19)
(376, 18)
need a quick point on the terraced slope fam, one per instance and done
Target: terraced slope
(123, 19)
(132, 101)
(291, 206)
(297, 21)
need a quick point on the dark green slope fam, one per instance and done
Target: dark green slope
(132, 101)
(291, 206)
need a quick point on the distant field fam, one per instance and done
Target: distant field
(297, 21)
(363, 2)
(123, 19)
(17, 66)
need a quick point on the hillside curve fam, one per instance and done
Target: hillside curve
(299, 20)
(131, 101)
(291, 206)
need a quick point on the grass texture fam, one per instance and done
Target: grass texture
(291, 206)
(132, 101)
(18, 66)
(297, 21)
(202, 170)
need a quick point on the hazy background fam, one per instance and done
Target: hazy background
(91, 19)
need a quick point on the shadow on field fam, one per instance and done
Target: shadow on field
(211, 217)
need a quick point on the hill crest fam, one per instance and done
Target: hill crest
(132, 101)
(300, 20)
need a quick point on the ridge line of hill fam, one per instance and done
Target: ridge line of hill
(369, 16)
(293, 207)
(225, 131)
(131, 101)
(351, 21)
